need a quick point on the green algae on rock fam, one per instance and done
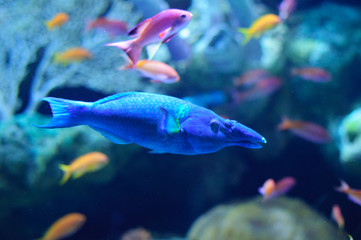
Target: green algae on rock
(281, 218)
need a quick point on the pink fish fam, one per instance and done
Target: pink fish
(337, 216)
(353, 194)
(112, 27)
(159, 72)
(272, 189)
(261, 89)
(306, 130)
(286, 8)
(251, 77)
(159, 29)
(312, 74)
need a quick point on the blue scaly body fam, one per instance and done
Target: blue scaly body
(162, 123)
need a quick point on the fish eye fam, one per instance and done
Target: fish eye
(183, 16)
(214, 126)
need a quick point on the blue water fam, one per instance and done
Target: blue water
(166, 193)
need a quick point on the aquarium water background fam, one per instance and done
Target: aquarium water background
(167, 195)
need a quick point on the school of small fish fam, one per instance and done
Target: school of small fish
(166, 124)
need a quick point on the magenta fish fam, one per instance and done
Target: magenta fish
(251, 77)
(112, 27)
(159, 29)
(272, 189)
(286, 8)
(353, 194)
(261, 89)
(312, 74)
(306, 130)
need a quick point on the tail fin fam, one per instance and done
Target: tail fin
(131, 48)
(63, 113)
(67, 173)
(48, 25)
(247, 35)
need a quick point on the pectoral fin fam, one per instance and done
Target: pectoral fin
(168, 124)
(164, 34)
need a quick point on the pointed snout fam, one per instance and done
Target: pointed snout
(246, 137)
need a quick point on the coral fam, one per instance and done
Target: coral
(137, 234)
(30, 158)
(349, 136)
(27, 51)
(281, 218)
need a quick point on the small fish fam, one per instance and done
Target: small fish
(57, 21)
(353, 194)
(312, 74)
(159, 122)
(64, 226)
(251, 77)
(306, 130)
(161, 28)
(261, 89)
(159, 72)
(337, 216)
(72, 55)
(112, 27)
(258, 27)
(272, 189)
(286, 8)
(89, 162)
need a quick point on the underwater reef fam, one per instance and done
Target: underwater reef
(281, 218)
(305, 69)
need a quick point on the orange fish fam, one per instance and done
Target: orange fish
(58, 20)
(272, 189)
(337, 216)
(259, 26)
(112, 27)
(353, 194)
(76, 54)
(312, 74)
(306, 130)
(159, 72)
(64, 226)
(89, 162)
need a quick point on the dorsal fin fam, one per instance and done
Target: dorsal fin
(138, 29)
(113, 97)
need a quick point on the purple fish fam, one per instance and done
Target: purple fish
(286, 8)
(159, 29)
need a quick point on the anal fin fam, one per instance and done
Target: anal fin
(111, 136)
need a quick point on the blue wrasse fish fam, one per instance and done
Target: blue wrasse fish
(162, 123)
